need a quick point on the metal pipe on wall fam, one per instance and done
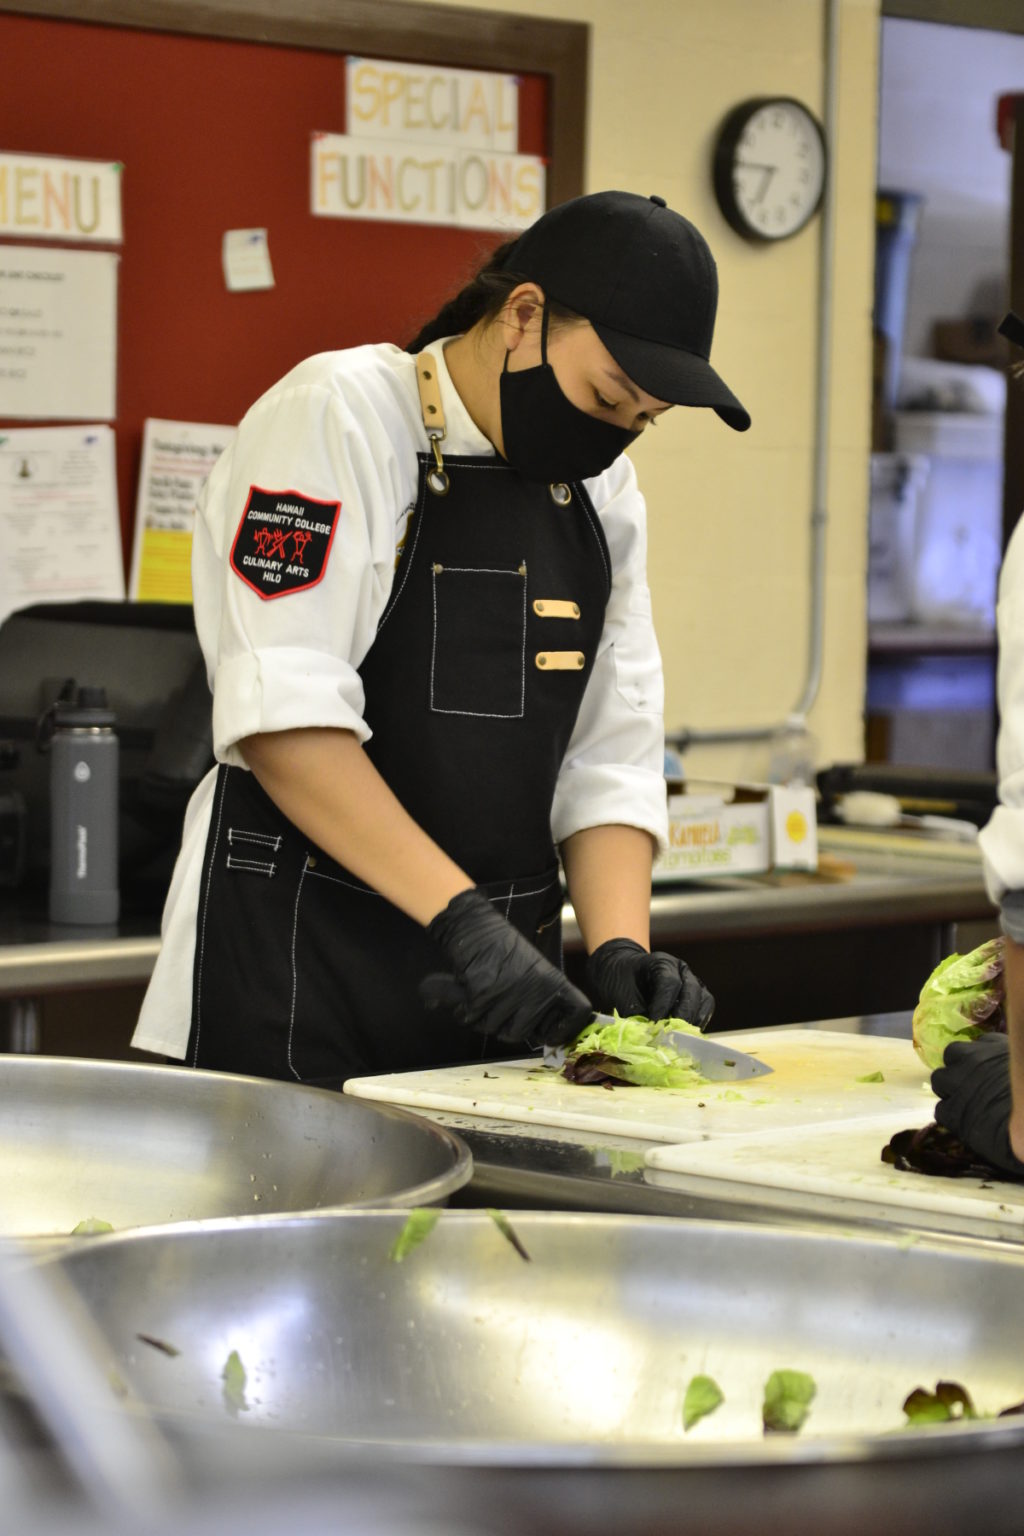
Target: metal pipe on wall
(796, 720)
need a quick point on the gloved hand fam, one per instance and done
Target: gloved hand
(973, 1085)
(501, 984)
(623, 977)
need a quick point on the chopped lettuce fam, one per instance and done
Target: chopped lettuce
(419, 1224)
(962, 999)
(90, 1226)
(703, 1396)
(787, 1401)
(872, 1077)
(508, 1232)
(628, 1053)
(233, 1377)
(949, 1401)
(160, 1344)
(620, 1163)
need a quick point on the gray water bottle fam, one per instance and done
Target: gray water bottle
(83, 810)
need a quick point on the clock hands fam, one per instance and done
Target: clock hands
(767, 172)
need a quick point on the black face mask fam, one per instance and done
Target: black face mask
(547, 438)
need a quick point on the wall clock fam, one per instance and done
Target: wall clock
(769, 167)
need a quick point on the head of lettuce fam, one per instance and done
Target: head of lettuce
(961, 1000)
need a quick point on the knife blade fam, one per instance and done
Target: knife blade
(717, 1061)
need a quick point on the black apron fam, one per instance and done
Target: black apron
(472, 686)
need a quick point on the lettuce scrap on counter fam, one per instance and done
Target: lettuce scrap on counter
(961, 1000)
(419, 1224)
(703, 1396)
(949, 1403)
(624, 1052)
(787, 1401)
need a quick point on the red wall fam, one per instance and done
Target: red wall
(213, 136)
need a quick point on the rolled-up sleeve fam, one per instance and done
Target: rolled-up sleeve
(278, 662)
(1002, 840)
(613, 771)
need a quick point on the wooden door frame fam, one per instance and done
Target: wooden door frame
(992, 15)
(996, 16)
(396, 29)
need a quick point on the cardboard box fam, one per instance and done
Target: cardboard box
(753, 829)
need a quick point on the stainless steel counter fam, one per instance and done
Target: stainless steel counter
(887, 888)
(37, 956)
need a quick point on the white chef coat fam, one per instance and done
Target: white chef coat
(1002, 840)
(346, 426)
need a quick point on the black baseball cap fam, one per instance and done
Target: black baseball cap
(647, 282)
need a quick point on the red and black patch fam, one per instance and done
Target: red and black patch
(283, 541)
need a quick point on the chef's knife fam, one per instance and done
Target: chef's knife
(716, 1061)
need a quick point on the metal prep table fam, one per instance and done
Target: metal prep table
(773, 948)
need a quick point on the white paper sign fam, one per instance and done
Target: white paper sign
(245, 257)
(471, 109)
(356, 178)
(177, 456)
(46, 198)
(60, 538)
(58, 333)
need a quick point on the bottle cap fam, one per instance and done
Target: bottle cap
(87, 708)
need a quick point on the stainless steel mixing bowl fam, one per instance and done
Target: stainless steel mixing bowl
(543, 1398)
(582, 1354)
(135, 1145)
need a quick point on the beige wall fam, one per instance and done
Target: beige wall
(729, 513)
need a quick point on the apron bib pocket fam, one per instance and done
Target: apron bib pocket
(478, 656)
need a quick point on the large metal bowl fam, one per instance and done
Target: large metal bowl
(135, 1145)
(464, 1351)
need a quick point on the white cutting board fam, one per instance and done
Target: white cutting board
(814, 1081)
(841, 1165)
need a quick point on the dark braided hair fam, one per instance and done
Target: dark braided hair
(482, 298)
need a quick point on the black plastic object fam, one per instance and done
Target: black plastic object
(13, 838)
(1012, 327)
(148, 658)
(920, 790)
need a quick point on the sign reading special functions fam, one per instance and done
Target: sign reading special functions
(427, 146)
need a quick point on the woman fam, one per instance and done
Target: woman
(419, 584)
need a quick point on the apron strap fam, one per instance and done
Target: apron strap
(432, 412)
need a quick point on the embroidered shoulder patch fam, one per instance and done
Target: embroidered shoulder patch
(283, 541)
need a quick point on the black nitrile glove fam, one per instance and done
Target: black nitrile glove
(973, 1087)
(623, 978)
(501, 984)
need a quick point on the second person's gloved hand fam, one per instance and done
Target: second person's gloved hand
(973, 1086)
(624, 978)
(500, 984)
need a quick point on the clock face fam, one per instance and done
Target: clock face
(772, 169)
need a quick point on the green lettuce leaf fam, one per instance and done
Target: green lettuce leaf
(419, 1224)
(508, 1232)
(961, 1000)
(90, 1226)
(233, 1377)
(787, 1401)
(703, 1396)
